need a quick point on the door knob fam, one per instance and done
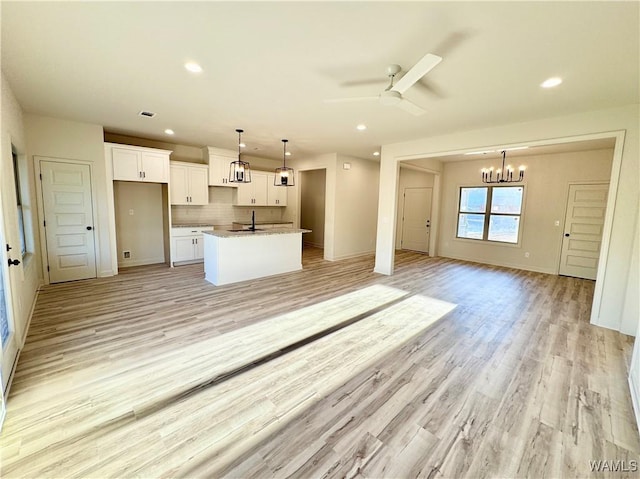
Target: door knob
(567, 235)
(14, 262)
(89, 228)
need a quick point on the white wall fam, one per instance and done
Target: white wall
(409, 178)
(356, 212)
(546, 189)
(632, 310)
(26, 277)
(141, 233)
(312, 204)
(55, 138)
(615, 283)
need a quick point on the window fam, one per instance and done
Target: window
(490, 213)
(16, 175)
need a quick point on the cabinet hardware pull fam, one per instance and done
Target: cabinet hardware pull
(9, 247)
(14, 262)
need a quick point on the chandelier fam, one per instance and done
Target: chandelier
(504, 174)
(284, 176)
(239, 171)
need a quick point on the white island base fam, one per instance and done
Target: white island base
(230, 257)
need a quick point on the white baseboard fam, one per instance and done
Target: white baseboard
(495, 263)
(353, 255)
(141, 262)
(106, 273)
(635, 400)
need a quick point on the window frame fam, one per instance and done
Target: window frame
(22, 231)
(488, 214)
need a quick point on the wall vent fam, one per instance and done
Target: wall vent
(126, 254)
(147, 114)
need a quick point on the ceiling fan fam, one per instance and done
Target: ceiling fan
(392, 95)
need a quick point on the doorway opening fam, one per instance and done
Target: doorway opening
(312, 206)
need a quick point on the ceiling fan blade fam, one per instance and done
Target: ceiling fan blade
(411, 107)
(418, 70)
(348, 100)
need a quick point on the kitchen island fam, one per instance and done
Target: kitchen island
(233, 256)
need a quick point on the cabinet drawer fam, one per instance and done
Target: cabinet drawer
(189, 231)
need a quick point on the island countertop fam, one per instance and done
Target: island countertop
(258, 232)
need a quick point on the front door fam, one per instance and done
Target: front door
(68, 216)
(416, 219)
(583, 225)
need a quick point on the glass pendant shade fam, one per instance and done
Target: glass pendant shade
(239, 171)
(284, 176)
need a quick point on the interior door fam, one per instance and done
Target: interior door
(583, 226)
(8, 340)
(416, 219)
(68, 216)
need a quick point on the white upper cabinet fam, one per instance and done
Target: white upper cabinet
(254, 193)
(276, 195)
(261, 191)
(132, 163)
(189, 184)
(219, 161)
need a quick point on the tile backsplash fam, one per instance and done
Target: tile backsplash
(221, 212)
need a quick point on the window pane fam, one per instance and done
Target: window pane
(506, 200)
(504, 228)
(473, 200)
(470, 226)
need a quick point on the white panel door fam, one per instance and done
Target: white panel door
(69, 227)
(8, 340)
(416, 221)
(583, 225)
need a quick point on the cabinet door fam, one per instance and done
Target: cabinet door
(198, 182)
(198, 247)
(155, 167)
(183, 248)
(178, 185)
(276, 195)
(259, 181)
(219, 170)
(245, 194)
(126, 165)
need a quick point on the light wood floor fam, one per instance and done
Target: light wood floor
(130, 376)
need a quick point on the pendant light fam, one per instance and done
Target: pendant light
(284, 176)
(239, 171)
(503, 175)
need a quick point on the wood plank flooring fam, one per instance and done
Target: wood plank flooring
(513, 382)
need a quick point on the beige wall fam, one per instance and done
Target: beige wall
(312, 198)
(614, 284)
(356, 212)
(55, 138)
(546, 189)
(409, 178)
(187, 153)
(25, 278)
(141, 233)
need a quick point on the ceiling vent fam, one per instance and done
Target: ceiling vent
(147, 114)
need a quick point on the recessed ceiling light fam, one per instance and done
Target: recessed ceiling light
(551, 82)
(193, 67)
(361, 127)
(169, 131)
(376, 153)
(480, 152)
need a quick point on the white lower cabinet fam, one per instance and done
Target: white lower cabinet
(188, 243)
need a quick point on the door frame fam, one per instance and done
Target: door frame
(329, 201)
(404, 202)
(41, 218)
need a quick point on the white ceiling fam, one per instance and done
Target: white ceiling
(269, 66)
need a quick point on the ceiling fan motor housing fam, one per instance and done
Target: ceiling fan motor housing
(390, 97)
